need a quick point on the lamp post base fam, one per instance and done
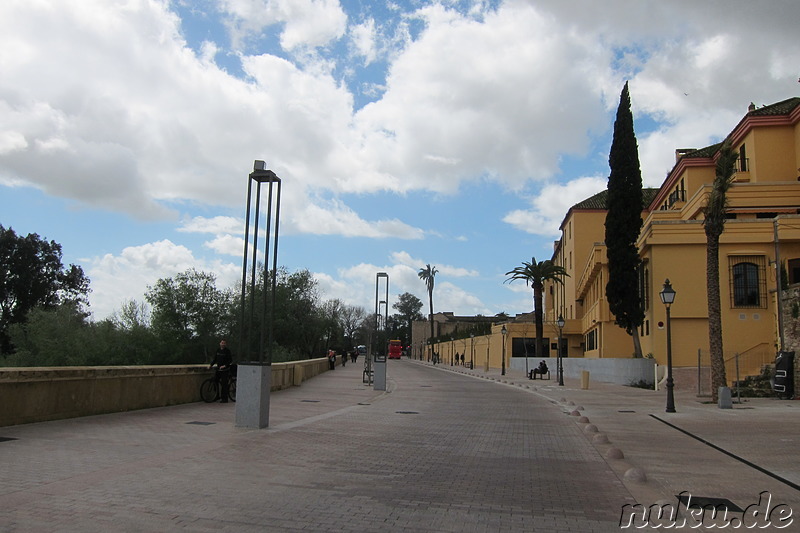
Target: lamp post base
(253, 383)
(670, 396)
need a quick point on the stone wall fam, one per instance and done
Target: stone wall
(40, 394)
(791, 327)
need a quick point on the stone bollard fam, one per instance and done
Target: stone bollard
(724, 398)
(584, 379)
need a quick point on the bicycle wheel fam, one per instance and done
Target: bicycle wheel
(232, 390)
(209, 390)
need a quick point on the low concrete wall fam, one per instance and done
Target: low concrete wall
(622, 371)
(40, 394)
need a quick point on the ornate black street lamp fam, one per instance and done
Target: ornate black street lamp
(504, 331)
(560, 323)
(667, 298)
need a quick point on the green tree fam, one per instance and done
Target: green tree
(32, 275)
(299, 324)
(623, 224)
(427, 275)
(189, 314)
(536, 274)
(51, 336)
(300, 327)
(714, 224)
(331, 311)
(135, 338)
(408, 309)
(350, 319)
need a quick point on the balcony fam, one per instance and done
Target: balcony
(676, 196)
(741, 170)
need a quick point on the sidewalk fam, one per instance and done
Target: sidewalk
(443, 449)
(661, 453)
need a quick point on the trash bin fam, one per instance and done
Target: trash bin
(783, 383)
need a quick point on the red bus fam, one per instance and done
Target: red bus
(395, 349)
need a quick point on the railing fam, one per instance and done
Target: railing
(678, 195)
(738, 365)
(749, 362)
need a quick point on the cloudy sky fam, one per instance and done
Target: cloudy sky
(455, 133)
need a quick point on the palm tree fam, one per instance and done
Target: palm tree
(427, 275)
(536, 274)
(714, 225)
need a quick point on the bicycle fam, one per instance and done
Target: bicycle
(209, 389)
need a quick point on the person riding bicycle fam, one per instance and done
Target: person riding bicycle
(223, 359)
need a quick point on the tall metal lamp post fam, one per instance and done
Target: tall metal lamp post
(560, 323)
(667, 298)
(255, 377)
(471, 351)
(504, 331)
(380, 320)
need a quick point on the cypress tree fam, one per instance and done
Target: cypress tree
(623, 224)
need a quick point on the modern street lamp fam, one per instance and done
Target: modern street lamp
(667, 295)
(504, 331)
(560, 323)
(471, 351)
(254, 377)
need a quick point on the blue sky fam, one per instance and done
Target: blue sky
(455, 133)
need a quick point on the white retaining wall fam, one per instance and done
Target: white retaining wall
(622, 371)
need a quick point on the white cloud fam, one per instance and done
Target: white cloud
(106, 103)
(356, 285)
(12, 141)
(216, 225)
(338, 219)
(363, 37)
(471, 98)
(657, 149)
(306, 23)
(405, 259)
(227, 245)
(118, 278)
(550, 205)
(501, 93)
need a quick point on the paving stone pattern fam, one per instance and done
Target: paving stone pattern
(437, 452)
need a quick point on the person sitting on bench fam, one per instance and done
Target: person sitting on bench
(541, 370)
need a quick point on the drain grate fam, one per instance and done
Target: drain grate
(4, 439)
(310, 401)
(198, 423)
(625, 411)
(705, 502)
(406, 412)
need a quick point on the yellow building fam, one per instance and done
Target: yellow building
(763, 206)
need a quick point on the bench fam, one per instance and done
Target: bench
(535, 372)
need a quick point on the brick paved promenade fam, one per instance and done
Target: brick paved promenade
(438, 452)
(442, 450)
